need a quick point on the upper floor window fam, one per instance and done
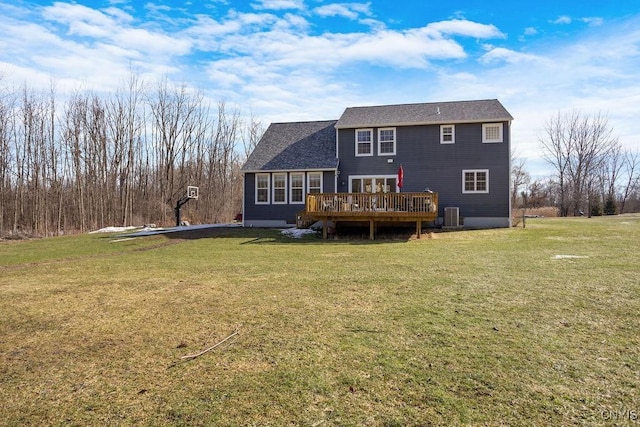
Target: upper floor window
(364, 142)
(262, 188)
(387, 142)
(314, 182)
(296, 187)
(475, 181)
(279, 188)
(447, 134)
(491, 132)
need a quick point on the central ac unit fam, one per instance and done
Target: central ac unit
(451, 217)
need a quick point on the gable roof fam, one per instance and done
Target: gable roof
(423, 114)
(295, 146)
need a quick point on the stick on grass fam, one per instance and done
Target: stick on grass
(193, 356)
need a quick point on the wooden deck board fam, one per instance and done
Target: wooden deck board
(373, 208)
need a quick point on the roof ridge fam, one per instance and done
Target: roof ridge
(426, 103)
(304, 121)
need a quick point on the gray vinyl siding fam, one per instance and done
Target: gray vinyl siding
(277, 212)
(429, 164)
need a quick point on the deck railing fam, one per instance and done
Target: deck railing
(372, 204)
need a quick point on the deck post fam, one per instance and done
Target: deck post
(325, 226)
(372, 228)
(418, 228)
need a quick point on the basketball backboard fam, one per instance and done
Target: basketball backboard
(192, 192)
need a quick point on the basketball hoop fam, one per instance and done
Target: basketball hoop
(192, 192)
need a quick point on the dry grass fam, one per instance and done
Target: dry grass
(484, 327)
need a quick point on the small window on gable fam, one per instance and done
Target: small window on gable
(364, 142)
(447, 134)
(387, 142)
(262, 188)
(491, 132)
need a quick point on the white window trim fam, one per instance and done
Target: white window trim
(484, 133)
(268, 189)
(453, 134)
(380, 153)
(475, 171)
(361, 177)
(356, 143)
(273, 189)
(291, 188)
(309, 174)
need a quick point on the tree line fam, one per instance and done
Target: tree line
(122, 158)
(592, 173)
(126, 157)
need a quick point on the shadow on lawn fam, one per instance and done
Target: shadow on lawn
(271, 236)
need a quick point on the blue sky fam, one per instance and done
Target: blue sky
(286, 60)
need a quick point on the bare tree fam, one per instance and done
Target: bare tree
(173, 109)
(631, 166)
(575, 145)
(519, 178)
(253, 134)
(7, 104)
(117, 158)
(556, 150)
(124, 130)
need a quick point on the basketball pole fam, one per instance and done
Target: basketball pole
(182, 201)
(192, 193)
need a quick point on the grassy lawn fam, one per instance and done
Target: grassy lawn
(534, 326)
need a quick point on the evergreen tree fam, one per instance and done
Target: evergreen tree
(610, 205)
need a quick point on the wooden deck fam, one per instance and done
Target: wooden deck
(373, 208)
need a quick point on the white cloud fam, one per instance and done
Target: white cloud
(284, 67)
(374, 24)
(85, 21)
(152, 43)
(346, 10)
(407, 49)
(500, 54)
(593, 21)
(292, 22)
(562, 20)
(278, 4)
(462, 27)
(596, 72)
(205, 26)
(84, 47)
(259, 20)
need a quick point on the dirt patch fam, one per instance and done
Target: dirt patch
(19, 236)
(201, 233)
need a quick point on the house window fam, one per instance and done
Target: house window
(262, 188)
(475, 181)
(314, 182)
(447, 134)
(387, 142)
(491, 132)
(364, 142)
(296, 188)
(373, 184)
(279, 188)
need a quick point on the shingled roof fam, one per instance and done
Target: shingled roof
(295, 146)
(424, 114)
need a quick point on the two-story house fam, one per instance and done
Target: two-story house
(458, 150)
